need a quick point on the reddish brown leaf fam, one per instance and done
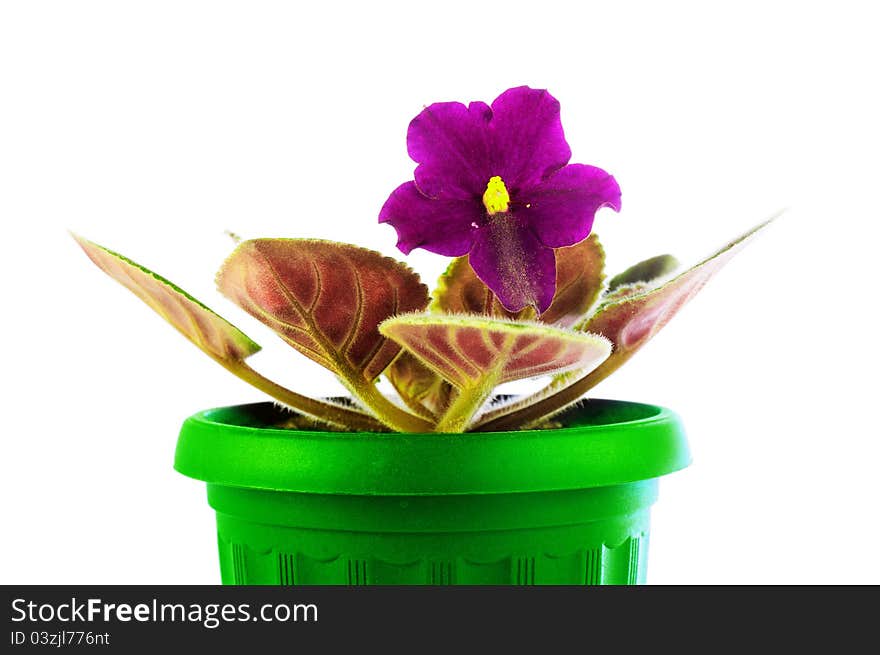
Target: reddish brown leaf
(325, 299)
(472, 351)
(629, 323)
(632, 320)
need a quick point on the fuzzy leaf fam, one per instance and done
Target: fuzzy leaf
(631, 322)
(325, 299)
(579, 280)
(210, 332)
(628, 323)
(471, 351)
(645, 271)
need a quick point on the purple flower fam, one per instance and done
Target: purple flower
(495, 182)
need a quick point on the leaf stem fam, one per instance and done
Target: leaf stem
(386, 411)
(545, 406)
(322, 411)
(461, 411)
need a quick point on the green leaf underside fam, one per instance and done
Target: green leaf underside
(579, 281)
(323, 298)
(210, 332)
(629, 324)
(473, 351)
(645, 271)
(625, 291)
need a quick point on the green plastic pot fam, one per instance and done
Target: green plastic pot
(560, 506)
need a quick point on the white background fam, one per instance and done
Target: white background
(153, 127)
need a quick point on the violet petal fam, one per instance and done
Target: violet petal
(561, 210)
(450, 143)
(514, 264)
(528, 141)
(441, 226)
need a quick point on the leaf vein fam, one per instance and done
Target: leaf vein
(374, 351)
(318, 282)
(313, 331)
(358, 312)
(453, 366)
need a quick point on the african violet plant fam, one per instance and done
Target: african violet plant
(524, 297)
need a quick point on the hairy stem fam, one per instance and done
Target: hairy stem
(516, 404)
(460, 413)
(322, 411)
(386, 411)
(545, 406)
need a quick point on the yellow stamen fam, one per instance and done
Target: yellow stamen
(496, 199)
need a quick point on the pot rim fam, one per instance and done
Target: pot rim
(605, 442)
